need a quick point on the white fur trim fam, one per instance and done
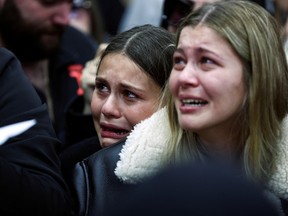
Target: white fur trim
(279, 181)
(142, 154)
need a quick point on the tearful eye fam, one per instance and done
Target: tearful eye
(130, 94)
(178, 63)
(205, 60)
(207, 64)
(101, 87)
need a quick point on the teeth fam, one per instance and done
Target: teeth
(121, 133)
(193, 102)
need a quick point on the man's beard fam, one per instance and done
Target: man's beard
(28, 42)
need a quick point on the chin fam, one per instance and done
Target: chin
(188, 126)
(106, 142)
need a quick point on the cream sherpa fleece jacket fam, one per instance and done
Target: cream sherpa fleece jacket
(142, 154)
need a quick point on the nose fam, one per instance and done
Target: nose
(189, 76)
(111, 108)
(61, 15)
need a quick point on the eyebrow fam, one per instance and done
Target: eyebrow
(198, 50)
(99, 79)
(132, 88)
(179, 50)
(122, 85)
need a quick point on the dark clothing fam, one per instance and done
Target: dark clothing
(76, 153)
(207, 190)
(76, 49)
(78, 126)
(81, 138)
(31, 182)
(197, 189)
(112, 12)
(95, 186)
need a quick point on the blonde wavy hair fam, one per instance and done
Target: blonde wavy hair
(255, 36)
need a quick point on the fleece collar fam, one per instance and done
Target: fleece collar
(279, 181)
(143, 154)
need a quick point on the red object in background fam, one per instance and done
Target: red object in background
(75, 71)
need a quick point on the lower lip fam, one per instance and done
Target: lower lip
(112, 135)
(190, 109)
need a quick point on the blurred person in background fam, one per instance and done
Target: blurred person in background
(175, 10)
(78, 117)
(51, 52)
(112, 12)
(31, 181)
(281, 15)
(86, 16)
(140, 12)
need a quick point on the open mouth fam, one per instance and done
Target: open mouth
(192, 102)
(120, 132)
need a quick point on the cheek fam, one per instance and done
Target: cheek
(96, 105)
(173, 83)
(136, 115)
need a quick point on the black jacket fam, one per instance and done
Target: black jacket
(76, 49)
(31, 182)
(78, 126)
(95, 187)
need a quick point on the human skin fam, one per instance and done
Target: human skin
(124, 95)
(207, 85)
(34, 23)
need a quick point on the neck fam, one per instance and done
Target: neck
(37, 73)
(218, 146)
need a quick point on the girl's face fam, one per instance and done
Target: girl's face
(207, 83)
(124, 95)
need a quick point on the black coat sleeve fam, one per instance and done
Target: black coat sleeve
(95, 186)
(31, 182)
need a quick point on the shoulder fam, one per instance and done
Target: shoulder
(94, 181)
(8, 59)
(5, 56)
(76, 42)
(106, 156)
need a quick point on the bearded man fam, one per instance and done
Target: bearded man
(51, 52)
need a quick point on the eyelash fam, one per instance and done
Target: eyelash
(103, 88)
(130, 95)
(205, 62)
(100, 86)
